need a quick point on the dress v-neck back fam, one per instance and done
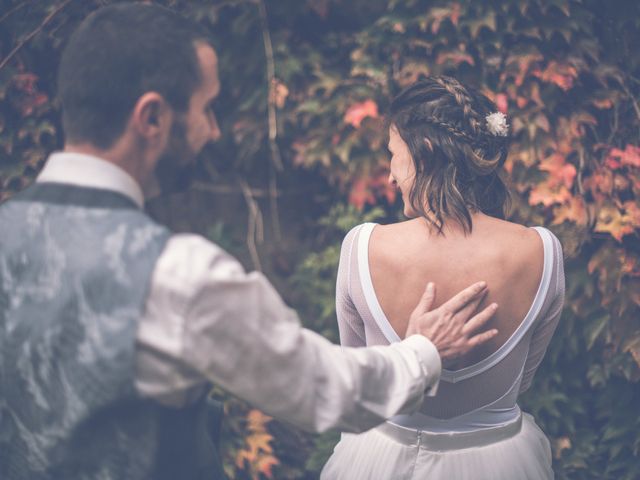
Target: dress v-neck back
(477, 396)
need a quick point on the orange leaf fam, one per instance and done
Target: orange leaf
(456, 58)
(547, 196)
(621, 182)
(560, 444)
(278, 93)
(600, 183)
(602, 104)
(611, 220)
(258, 452)
(574, 211)
(265, 464)
(359, 111)
(631, 267)
(632, 210)
(560, 172)
(257, 420)
(560, 74)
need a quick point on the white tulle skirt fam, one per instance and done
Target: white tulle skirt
(516, 451)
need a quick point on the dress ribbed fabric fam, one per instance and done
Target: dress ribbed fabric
(473, 428)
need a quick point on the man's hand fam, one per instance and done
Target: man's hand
(449, 326)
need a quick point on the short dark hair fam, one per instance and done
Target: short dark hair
(117, 54)
(458, 168)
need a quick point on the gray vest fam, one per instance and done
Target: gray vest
(75, 268)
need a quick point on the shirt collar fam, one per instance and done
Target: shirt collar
(88, 171)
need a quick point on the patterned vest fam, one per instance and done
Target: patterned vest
(75, 267)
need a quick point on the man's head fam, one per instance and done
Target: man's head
(138, 80)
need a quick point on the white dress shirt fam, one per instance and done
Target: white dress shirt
(207, 320)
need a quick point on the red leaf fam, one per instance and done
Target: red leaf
(502, 103)
(359, 111)
(360, 194)
(629, 156)
(25, 82)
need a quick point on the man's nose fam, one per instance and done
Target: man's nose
(391, 180)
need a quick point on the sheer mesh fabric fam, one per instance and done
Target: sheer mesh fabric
(480, 390)
(356, 324)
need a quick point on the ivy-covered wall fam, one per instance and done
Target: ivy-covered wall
(305, 88)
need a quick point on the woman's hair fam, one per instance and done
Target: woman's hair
(456, 151)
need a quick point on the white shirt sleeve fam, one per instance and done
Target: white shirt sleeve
(206, 320)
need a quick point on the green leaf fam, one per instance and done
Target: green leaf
(595, 328)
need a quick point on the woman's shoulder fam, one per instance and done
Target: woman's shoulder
(351, 236)
(526, 248)
(516, 232)
(393, 230)
(394, 243)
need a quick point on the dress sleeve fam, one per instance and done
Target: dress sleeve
(547, 324)
(350, 324)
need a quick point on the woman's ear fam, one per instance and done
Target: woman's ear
(151, 118)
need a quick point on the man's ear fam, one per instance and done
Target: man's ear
(151, 118)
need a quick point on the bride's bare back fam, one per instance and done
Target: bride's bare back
(404, 256)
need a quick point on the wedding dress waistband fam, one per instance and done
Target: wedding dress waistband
(450, 440)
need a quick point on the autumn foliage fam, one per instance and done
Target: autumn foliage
(566, 73)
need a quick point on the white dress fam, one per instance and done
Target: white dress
(473, 428)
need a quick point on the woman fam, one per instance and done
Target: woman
(448, 144)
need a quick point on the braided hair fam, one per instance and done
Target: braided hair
(457, 158)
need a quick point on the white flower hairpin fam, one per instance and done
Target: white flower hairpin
(497, 124)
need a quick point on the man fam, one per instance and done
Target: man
(112, 329)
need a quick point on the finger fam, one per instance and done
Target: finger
(459, 300)
(482, 338)
(427, 299)
(470, 308)
(480, 319)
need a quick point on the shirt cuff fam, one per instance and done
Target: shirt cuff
(430, 361)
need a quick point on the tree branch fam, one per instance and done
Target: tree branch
(271, 79)
(255, 229)
(28, 38)
(276, 157)
(14, 9)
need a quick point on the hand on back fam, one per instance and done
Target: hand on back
(454, 327)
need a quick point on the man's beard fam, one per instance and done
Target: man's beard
(177, 166)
